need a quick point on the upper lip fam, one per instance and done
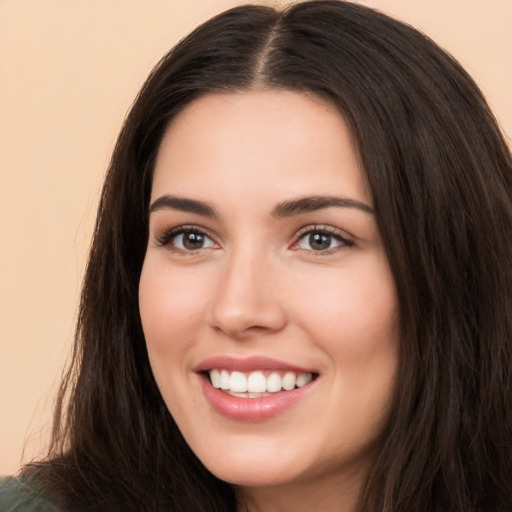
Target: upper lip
(249, 364)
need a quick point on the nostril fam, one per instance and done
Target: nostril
(257, 329)
(244, 330)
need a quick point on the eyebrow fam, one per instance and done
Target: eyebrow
(283, 209)
(313, 203)
(182, 204)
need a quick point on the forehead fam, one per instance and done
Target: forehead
(259, 140)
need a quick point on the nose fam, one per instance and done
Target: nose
(246, 302)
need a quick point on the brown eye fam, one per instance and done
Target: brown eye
(191, 241)
(319, 241)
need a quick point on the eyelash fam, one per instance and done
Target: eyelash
(329, 231)
(167, 237)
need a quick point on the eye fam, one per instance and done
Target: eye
(191, 241)
(186, 239)
(321, 240)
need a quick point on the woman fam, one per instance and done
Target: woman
(299, 289)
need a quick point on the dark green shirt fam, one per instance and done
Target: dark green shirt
(17, 496)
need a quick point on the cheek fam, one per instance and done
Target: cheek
(172, 306)
(353, 318)
(354, 310)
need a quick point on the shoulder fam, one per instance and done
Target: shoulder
(18, 496)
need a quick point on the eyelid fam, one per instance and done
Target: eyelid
(164, 238)
(326, 229)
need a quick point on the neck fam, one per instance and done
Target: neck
(338, 494)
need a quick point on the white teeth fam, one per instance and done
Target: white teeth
(274, 383)
(303, 379)
(215, 378)
(240, 395)
(255, 384)
(289, 381)
(238, 382)
(224, 379)
(257, 395)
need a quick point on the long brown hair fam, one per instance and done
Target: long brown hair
(441, 177)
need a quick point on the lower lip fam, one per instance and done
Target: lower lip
(252, 409)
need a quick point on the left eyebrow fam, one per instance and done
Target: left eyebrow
(183, 204)
(313, 203)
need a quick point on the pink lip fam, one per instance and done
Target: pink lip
(250, 409)
(248, 364)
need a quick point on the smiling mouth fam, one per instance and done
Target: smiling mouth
(257, 384)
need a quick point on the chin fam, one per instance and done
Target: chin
(251, 462)
(253, 474)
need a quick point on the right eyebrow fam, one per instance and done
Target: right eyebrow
(182, 204)
(314, 203)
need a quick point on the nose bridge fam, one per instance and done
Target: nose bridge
(246, 300)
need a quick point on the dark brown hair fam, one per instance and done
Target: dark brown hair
(441, 177)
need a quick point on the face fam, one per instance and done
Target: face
(266, 298)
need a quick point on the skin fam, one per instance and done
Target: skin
(256, 287)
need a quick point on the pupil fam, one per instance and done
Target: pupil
(319, 241)
(193, 240)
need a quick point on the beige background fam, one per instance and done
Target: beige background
(68, 73)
